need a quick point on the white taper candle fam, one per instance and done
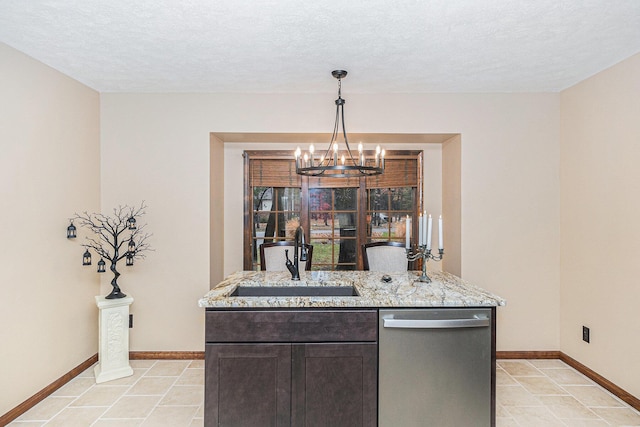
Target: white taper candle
(407, 233)
(429, 229)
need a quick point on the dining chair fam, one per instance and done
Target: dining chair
(272, 257)
(385, 256)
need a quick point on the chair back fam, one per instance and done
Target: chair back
(385, 256)
(272, 256)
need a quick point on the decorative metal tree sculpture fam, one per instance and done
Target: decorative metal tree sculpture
(111, 234)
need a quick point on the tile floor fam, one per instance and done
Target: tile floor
(537, 393)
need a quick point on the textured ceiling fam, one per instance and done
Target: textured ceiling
(292, 45)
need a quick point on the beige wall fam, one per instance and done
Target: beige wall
(600, 227)
(157, 147)
(452, 204)
(49, 169)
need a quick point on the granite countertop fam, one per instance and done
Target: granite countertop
(445, 290)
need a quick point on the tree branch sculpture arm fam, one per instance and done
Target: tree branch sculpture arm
(110, 235)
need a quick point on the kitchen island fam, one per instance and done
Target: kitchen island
(318, 352)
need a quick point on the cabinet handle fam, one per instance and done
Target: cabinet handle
(474, 322)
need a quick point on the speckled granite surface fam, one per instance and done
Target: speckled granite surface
(445, 290)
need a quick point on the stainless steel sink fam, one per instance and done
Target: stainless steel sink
(294, 291)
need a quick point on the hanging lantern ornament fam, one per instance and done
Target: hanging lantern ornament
(86, 258)
(132, 245)
(71, 231)
(132, 223)
(129, 259)
(101, 266)
(338, 161)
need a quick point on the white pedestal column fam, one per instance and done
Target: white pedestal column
(113, 353)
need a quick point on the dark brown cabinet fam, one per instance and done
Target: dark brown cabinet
(291, 368)
(334, 385)
(248, 385)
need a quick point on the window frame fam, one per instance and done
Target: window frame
(361, 206)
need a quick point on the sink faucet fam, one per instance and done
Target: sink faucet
(299, 246)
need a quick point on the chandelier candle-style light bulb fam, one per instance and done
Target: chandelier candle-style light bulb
(351, 164)
(297, 154)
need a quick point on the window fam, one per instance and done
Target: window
(338, 214)
(387, 209)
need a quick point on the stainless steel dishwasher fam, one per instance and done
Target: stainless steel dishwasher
(436, 368)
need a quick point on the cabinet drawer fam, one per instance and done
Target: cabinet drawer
(291, 326)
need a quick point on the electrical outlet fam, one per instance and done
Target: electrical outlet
(130, 321)
(585, 334)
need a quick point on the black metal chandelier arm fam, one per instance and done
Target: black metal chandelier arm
(344, 134)
(329, 165)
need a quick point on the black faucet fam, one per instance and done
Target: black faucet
(299, 246)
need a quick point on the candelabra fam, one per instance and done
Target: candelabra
(422, 251)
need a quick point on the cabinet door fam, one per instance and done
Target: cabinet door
(248, 385)
(334, 385)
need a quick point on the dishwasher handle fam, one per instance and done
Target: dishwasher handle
(473, 322)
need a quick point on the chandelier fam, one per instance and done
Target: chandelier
(339, 162)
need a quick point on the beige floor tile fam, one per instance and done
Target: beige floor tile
(200, 411)
(567, 376)
(46, 409)
(619, 416)
(520, 368)
(184, 395)
(88, 372)
(80, 416)
(502, 412)
(548, 363)
(576, 422)
(197, 364)
(528, 416)
(170, 416)
(502, 378)
(132, 407)
(151, 386)
(75, 387)
(197, 422)
(540, 385)
(507, 395)
(127, 422)
(168, 368)
(142, 363)
(191, 377)
(506, 422)
(131, 379)
(26, 424)
(567, 407)
(591, 395)
(100, 395)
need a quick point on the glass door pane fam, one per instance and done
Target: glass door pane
(333, 227)
(276, 215)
